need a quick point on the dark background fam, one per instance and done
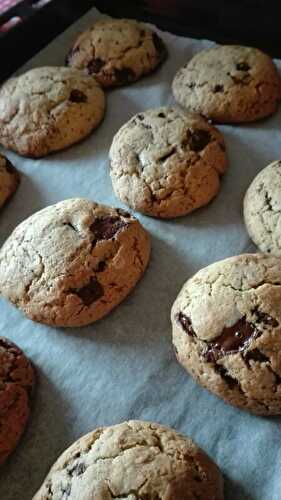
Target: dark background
(249, 22)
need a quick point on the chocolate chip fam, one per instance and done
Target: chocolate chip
(90, 292)
(166, 156)
(185, 322)
(161, 115)
(124, 75)
(77, 96)
(140, 117)
(266, 319)
(95, 65)
(101, 266)
(218, 88)
(242, 66)
(255, 355)
(233, 339)
(196, 139)
(230, 381)
(159, 45)
(106, 227)
(191, 85)
(222, 146)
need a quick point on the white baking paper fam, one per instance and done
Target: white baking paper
(124, 366)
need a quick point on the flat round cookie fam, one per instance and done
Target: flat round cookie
(167, 163)
(229, 83)
(71, 263)
(48, 109)
(16, 385)
(9, 180)
(226, 331)
(117, 51)
(133, 460)
(262, 209)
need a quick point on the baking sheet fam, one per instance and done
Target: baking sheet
(123, 366)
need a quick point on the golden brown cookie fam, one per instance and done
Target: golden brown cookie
(16, 385)
(133, 460)
(117, 51)
(9, 180)
(229, 83)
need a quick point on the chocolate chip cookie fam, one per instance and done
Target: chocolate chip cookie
(229, 84)
(71, 263)
(167, 163)
(262, 209)
(226, 331)
(133, 460)
(16, 384)
(48, 109)
(117, 51)
(9, 180)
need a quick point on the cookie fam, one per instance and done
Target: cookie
(117, 51)
(133, 460)
(262, 208)
(167, 163)
(48, 109)
(229, 83)
(71, 263)
(226, 331)
(16, 385)
(9, 180)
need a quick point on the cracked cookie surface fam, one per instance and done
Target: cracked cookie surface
(48, 109)
(226, 331)
(71, 263)
(262, 209)
(9, 180)
(134, 460)
(117, 51)
(229, 84)
(16, 385)
(167, 163)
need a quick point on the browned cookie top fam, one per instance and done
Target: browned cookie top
(117, 51)
(229, 83)
(16, 384)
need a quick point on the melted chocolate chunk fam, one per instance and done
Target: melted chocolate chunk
(232, 340)
(124, 76)
(255, 355)
(186, 324)
(159, 45)
(264, 318)
(230, 381)
(95, 65)
(90, 292)
(77, 96)
(218, 88)
(242, 66)
(197, 139)
(106, 227)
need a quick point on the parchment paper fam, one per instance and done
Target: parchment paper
(123, 366)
